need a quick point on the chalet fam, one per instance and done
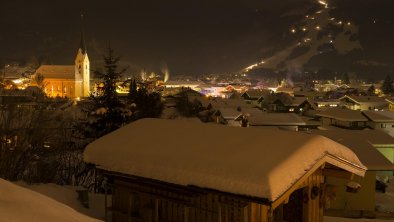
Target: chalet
(229, 115)
(363, 102)
(168, 170)
(288, 121)
(342, 117)
(390, 101)
(381, 120)
(288, 90)
(326, 103)
(256, 97)
(289, 104)
(363, 202)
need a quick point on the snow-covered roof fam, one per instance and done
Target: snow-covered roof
(257, 93)
(380, 116)
(249, 111)
(359, 142)
(365, 99)
(57, 71)
(246, 161)
(344, 114)
(218, 103)
(230, 113)
(184, 83)
(296, 101)
(18, 204)
(275, 119)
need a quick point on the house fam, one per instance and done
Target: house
(360, 142)
(381, 120)
(383, 142)
(326, 103)
(390, 101)
(289, 121)
(168, 170)
(342, 117)
(363, 102)
(256, 97)
(71, 81)
(229, 115)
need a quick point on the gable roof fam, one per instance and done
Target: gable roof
(379, 116)
(57, 72)
(365, 99)
(228, 159)
(229, 113)
(360, 142)
(344, 114)
(275, 119)
(256, 93)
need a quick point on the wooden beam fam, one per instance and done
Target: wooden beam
(298, 184)
(337, 173)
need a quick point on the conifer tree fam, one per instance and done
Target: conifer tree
(371, 90)
(387, 86)
(147, 104)
(345, 78)
(106, 111)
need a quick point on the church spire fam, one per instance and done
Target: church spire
(82, 44)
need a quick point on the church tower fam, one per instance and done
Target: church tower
(82, 67)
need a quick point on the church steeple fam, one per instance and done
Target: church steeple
(82, 44)
(82, 67)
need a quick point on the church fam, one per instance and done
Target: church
(68, 81)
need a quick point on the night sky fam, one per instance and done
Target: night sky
(190, 37)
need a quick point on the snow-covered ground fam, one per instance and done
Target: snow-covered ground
(67, 195)
(18, 204)
(385, 201)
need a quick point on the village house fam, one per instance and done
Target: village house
(256, 97)
(288, 121)
(361, 203)
(326, 103)
(363, 102)
(217, 173)
(390, 101)
(342, 117)
(381, 120)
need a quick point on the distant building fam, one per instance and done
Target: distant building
(69, 81)
(363, 102)
(342, 117)
(381, 120)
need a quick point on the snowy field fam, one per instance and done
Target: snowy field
(18, 204)
(68, 196)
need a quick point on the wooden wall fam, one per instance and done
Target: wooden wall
(136, 202)
(133, 201)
